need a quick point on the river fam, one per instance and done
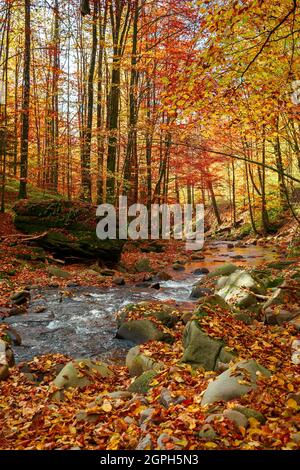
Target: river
(80, 322)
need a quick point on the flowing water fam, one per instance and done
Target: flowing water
(80, 322)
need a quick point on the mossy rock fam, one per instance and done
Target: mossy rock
(56, 272)
(143, 266)
(200, 349)
(164, 313)
(224, 270)
(141, 331)
(143, 383)
(280, 264)
(139, 363)
(70, 229)
(79, 374)
(210, 302)
(251, 413)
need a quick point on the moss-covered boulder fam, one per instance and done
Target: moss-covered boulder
(224, 270)
(142, 384)
(200, 350)
(79, 374)
(239, 289)
(69, 227)
(138, 363)
(141, 331)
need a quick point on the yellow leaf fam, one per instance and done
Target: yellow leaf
(106, 406)
(291, 403)
(290, 387)
(210, 445)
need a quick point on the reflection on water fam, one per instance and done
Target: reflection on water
(81, 323)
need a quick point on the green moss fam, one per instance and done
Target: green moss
(143, 383)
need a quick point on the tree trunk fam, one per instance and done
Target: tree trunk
(25, 104)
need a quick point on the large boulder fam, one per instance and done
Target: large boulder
(239, 289)
(234, 382)
(201, 350)
(69, 227)
(146, 321)
(141, 331)
(138, 363)
(224, 270)
(79, 373)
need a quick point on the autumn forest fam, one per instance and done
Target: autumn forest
(143, 344)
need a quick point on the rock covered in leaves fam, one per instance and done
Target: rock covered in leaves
(78, 374)
(202, 350)
(239, 289)
(138, 363)
(234, 382)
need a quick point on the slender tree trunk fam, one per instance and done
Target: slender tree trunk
(87, 131)
(131, 160)
(25, 104)
(214, 202)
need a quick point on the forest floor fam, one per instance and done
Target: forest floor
(169, 413)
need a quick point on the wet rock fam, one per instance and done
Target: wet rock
(230, 245)
(224, 270)
(155, 286)
(107, 272)
(237, 418)
(143, 383)
(141, 331)
(13, 336)
(198, 292)
(178, 267)
(119, 281)
(138, 363)
(237, 257)
(197, 257)
(228, 386)
(78, 374)
(201, 271)
(20, 297)
(164, 276)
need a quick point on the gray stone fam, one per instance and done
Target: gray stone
(146, 415)
(200, 350)
(251, 413)
(207, 433)
(228, 386)
(145, 443)
(166, 398)
(138, 363)
(141, 331)
(120, 395)
(224, 270)
(237, 287)
(78, 374)
(238, 418)
(198, 292)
